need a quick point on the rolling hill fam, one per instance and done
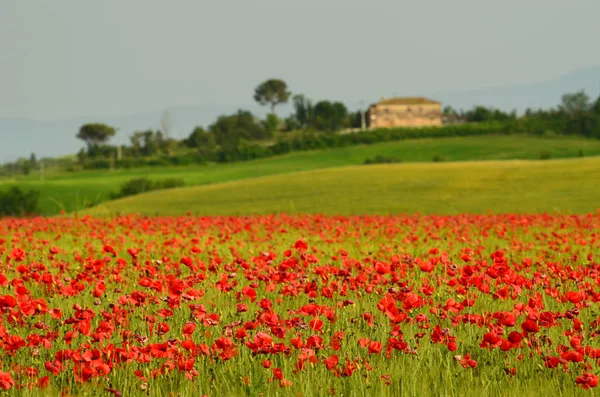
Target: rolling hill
(442, 188)
(76, 191)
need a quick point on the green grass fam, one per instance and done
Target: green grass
(437, 188)
(76, 191)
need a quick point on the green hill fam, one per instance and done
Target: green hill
(442, 188)
(76, 191)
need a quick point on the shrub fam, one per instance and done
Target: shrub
(309, 140)
(437, 158)
(72, 168)
(380, 159)
(545, 155)
(96, 164)
(169, 183)
(143, 185)
(17, 202)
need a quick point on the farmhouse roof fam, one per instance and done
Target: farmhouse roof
(407, 101)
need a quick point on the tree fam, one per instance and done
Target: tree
(575, 104)
(136, 143)
(449, 111)
(449, 114)
(291, 123)
(354, 119)
(33, 163)
(304, 110)
(577, 108)
(596, 107)
(230, 130)
(480, 113)
(96, 133)
(271, 124)
(273, 92)
(24, 165)
(150, 143)
(203, 141)
(330, 116)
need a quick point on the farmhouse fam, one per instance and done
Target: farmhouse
(405, 112)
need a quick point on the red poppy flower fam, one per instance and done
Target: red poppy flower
(587, 380)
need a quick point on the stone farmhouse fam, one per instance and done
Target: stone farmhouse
(405, 112)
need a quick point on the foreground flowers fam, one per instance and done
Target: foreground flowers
(229, 306)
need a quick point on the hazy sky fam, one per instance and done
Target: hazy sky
(67, 58)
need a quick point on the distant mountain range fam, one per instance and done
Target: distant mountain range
(20, 137)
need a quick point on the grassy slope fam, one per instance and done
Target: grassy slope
(441, 188)
(75, 191)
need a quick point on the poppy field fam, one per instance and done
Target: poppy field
(303, 305)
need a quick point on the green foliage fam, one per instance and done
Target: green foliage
(159, 160)
(228, 130)
(33, 163)
(272, 92)
(149, 143)
(237, 134)
(100, 151)
(586, 124)
(483, 114)
(324, 115)
(304, 110)
(355, 119)
(596, 106)
(203, 141)
(576, 103)
(291, 123)
(137, 146)
(330, 116)
(310, 140)
(244, 151)
(381, 159)
(26, 168)
(143, 185)
(576, 116)
(17, 202)
(449, 111)
(169, 183)
(271, 124)
(95, 133)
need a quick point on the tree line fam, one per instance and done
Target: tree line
(243, 136)
(577, 114)
(227, 135)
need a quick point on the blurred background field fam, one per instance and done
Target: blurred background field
(569, 186)
(407, 187)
